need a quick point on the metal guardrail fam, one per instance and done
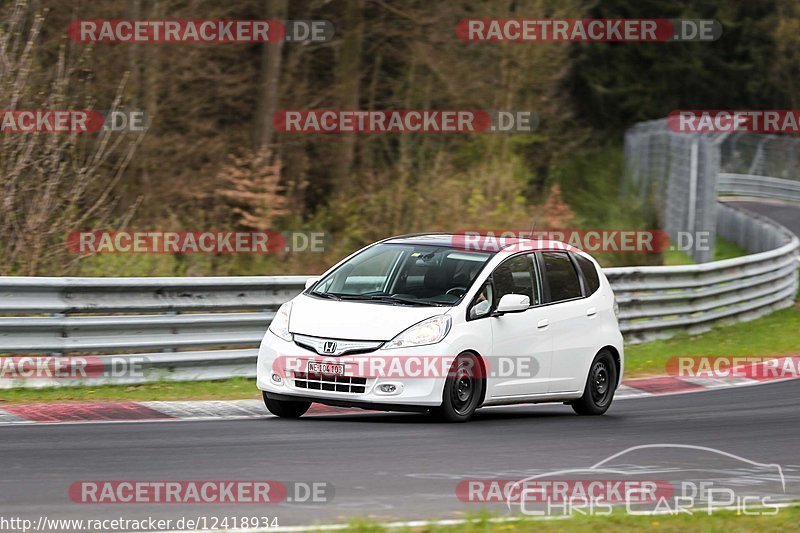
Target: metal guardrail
(656, 302)
(209, 328)
(758, 186)
(215, 322)
(141, 295)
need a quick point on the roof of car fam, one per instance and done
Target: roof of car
(479, 243)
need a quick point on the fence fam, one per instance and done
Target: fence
(683, 175)
(677, 172)
(657, 302)
(762, 166)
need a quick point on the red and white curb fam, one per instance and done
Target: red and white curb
(768, 370)
(156, 411)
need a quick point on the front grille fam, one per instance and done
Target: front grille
(335, 347)
(329, 382)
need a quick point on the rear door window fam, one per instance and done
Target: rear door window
(560, 276)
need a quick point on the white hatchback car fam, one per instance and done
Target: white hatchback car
(433, 323)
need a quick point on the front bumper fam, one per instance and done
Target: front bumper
(411, 393)
(336, 402)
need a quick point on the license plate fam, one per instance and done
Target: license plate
(336, 369)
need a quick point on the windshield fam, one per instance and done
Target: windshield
(404, 274)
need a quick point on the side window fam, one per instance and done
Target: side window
(589, 274)
(562, 279)
(516, 276)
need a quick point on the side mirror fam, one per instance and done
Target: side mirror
(311, 281)
(513, 303)
(480, 309)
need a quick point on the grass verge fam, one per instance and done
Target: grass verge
(774, 334)
(228, 389)
(723, 249)
(722, 521)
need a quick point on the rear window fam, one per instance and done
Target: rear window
(561, 276)
(589, 274)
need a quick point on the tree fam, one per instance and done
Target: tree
(252, 185)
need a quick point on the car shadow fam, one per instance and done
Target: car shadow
(527, 412)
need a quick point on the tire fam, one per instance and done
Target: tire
(601, 383)
(285, 409)
(462, 390)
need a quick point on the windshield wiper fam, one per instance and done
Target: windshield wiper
(327, 295)
(407, 301)
(377, 298)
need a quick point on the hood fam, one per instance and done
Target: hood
(355, 320)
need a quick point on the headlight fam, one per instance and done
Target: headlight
(616, 309)
(429, 331)
(280, 324)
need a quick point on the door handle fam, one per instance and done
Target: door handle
(591, 312)
(543, 323)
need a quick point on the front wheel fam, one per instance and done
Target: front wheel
(462, 390)
(285, 409)
(600, 386)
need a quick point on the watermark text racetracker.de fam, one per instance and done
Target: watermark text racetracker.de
(199, 492)
(195, 242)
(599, 491)
(407, 366)
(588, 30)
(758, 367)
(200, 31)
(735, 121)
(71, 121)
(588, 240)
(404, 121)
(72, 367)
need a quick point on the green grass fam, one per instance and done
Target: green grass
(722, 521)
(676, 258)
(775, 334)
(229, 389)
(724, 249)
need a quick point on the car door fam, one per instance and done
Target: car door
(521, 341)
(570, 321)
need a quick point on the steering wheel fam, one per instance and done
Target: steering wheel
(454, 289)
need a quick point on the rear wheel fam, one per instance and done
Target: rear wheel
(285, 409)
(462, 390)
(600, 386)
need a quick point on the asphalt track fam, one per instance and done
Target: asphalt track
(390, 466)
(401, 466)
(784, 213)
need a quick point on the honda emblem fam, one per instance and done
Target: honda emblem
(329, 347)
